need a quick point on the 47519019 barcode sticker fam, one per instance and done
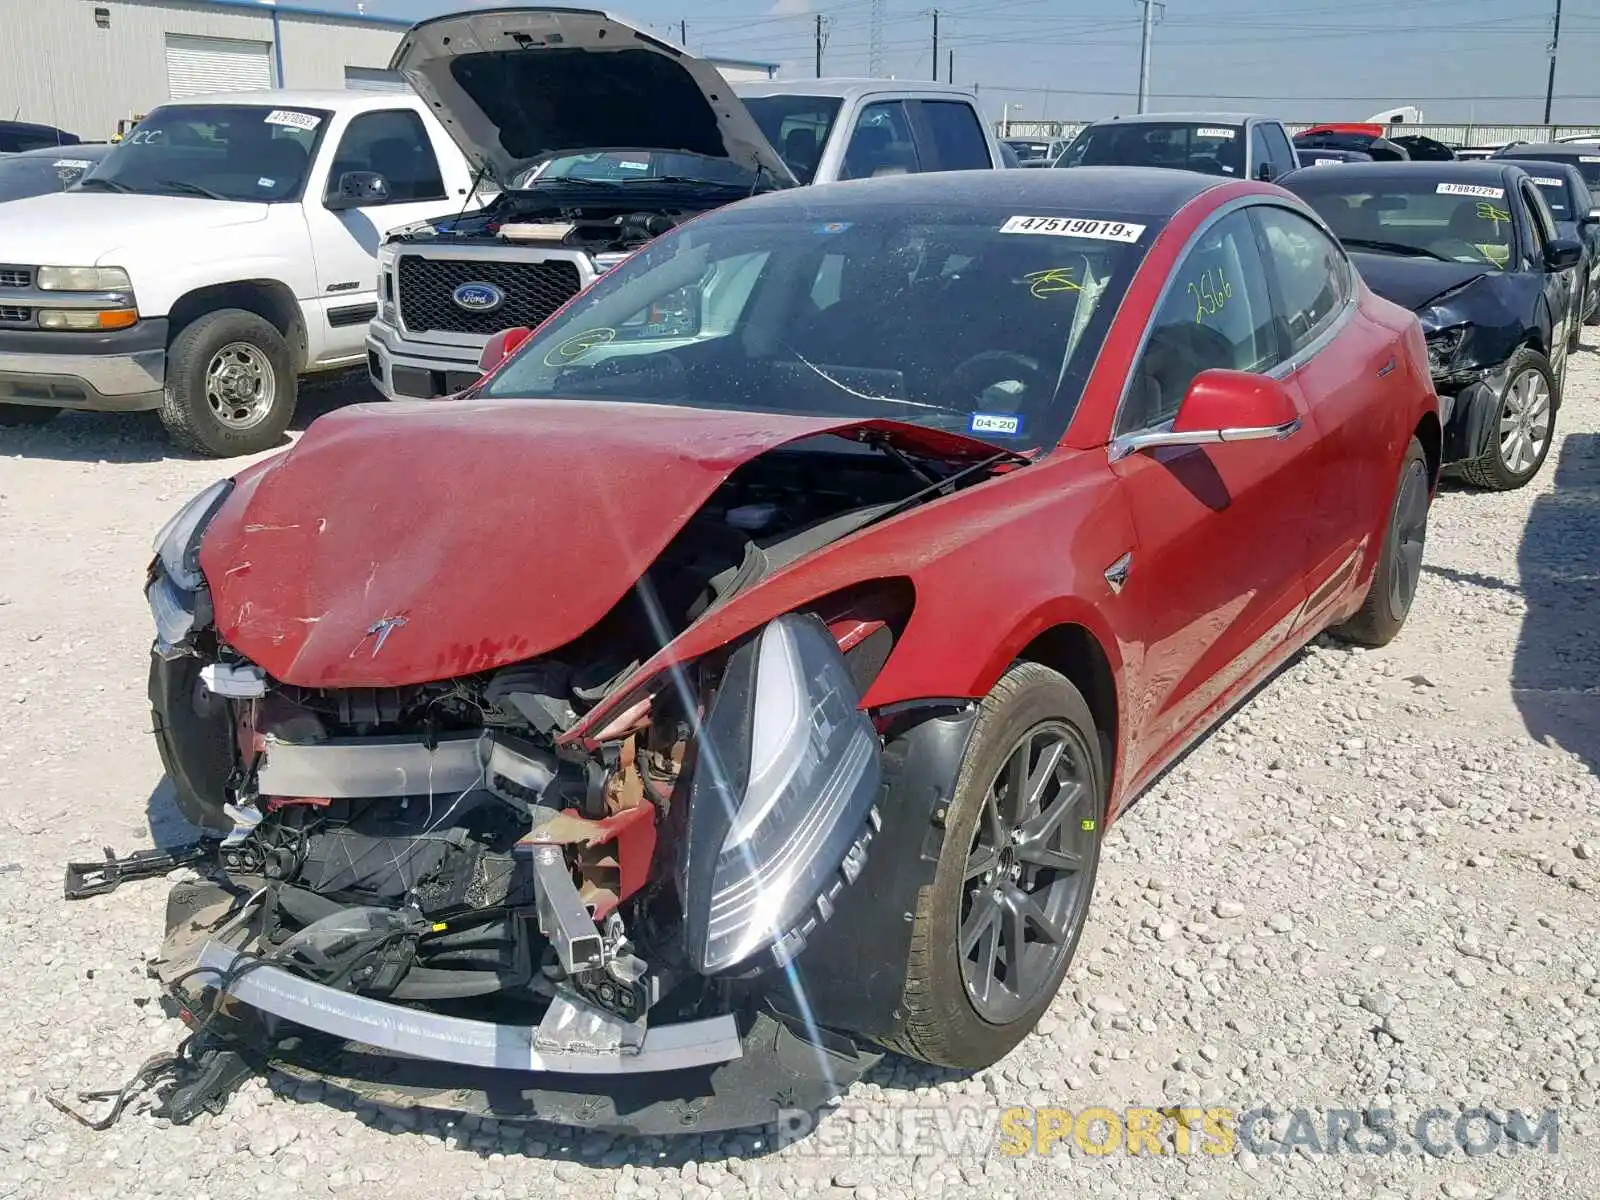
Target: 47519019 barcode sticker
(1083, 227)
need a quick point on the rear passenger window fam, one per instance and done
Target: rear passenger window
(958, 140)
(1312, 274)
(1217, 313)
(881, 143)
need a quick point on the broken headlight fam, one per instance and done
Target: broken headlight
(1444, 348)
(173, 591)
(783, 800)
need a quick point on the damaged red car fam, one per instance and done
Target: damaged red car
(738, 682)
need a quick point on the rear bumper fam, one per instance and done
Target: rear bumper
(729, 1071)
(407, 369)
(123, 371)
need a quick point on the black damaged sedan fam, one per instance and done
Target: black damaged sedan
(1473, 250)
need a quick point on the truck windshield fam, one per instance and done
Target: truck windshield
(950, 316)
(797, 127)
(630, 166)
(217, 151)
(1212, 149)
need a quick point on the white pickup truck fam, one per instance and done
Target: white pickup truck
(224, 249)
(600, 137)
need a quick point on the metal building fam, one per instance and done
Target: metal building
(86, 65)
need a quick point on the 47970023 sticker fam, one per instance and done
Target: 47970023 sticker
(1082, 227)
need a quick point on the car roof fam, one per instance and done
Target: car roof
(843, 87)
(1186, 118)
(1133, 191)
(1482, 170)
(1541, 149)
(28, 127)
(74, 150)
(328, 98)
(1531, 164)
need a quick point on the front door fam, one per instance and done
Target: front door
(1218, 571)
(392, 143)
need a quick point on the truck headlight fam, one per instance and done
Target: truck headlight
(82, 279)
(783, 801)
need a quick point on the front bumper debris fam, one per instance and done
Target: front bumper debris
(729, 1071)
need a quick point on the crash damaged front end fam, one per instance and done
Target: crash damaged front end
(442, 895)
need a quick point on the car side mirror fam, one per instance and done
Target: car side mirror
(1223, 406)
(357, 189)
(1592, 218)
(502, 346)
(1562, 253)
(1264, 172)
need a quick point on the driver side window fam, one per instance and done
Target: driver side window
(1217, 313)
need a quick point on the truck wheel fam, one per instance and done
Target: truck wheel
(994, 935)
(26, 414)
(231, 385)
(1394, 583)
(1523, 427)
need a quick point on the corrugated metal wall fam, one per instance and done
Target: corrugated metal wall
(61, 68)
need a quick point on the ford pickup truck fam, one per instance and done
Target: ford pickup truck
(225, 248)
(598, 138)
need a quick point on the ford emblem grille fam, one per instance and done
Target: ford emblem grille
(478, 297)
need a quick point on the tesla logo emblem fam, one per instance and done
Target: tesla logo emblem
(381, 629)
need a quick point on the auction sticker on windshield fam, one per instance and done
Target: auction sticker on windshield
(1084, 227)
(1544, 181)
(294, 120)
(1589, 158)
(1216, 133)
(1471, 189)
(78, 164)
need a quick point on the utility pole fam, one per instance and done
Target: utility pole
(1144, 49)
(683, 33)
(819, 45)
(1555, 45)
(950, 68)
(936, 48)
(875, 39)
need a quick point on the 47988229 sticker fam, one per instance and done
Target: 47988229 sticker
(1083, 227)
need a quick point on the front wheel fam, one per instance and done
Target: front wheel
(995, 933)
(1394, 583)
(231, 385)
(1524, 423)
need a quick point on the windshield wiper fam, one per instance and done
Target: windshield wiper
(1395, 248)
(193, 189)
(111, 185)
(683, 179)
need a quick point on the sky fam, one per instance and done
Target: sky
(1301, 60)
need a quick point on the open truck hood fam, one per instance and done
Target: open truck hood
(514, 85)
(486, 532)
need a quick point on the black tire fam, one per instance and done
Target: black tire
(1575, 335)
(26, 414)
(194, 736)
(1394, 584)
(943, 1022)
(229, 416)
(1491, 470)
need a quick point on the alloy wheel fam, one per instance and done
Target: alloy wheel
(241, 385)
(1410, 538)
(1027, 875)
(1524, 421)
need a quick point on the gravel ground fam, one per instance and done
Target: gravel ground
(1374, 887)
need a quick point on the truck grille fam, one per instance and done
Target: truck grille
(15, 314)
(533, 290)
(16, 277)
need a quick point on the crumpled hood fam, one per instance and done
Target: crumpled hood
(513, 85)
(1414, 282)
(494, 531)
(76, 228)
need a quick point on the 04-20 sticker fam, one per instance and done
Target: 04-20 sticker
(1083, 227)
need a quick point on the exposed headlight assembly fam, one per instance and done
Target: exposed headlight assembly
(783, 802)
(175, 590)
(1444, 348)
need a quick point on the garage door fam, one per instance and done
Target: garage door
(198, 65)
(374, 79)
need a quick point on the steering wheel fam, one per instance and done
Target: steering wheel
(988, 367)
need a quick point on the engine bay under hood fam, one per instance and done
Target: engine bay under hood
(405, 543)
(516, 85)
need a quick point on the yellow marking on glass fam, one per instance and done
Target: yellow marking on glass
(1052, 282)
(1087, 824)
(1488, 212)
(576, 346)
(1210, 294)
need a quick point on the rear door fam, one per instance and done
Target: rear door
(1560, 287)
(1218, 574)
(1342, 369)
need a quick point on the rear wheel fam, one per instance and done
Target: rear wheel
(26, 414)
(1394, 583)
(994, 935)
(1523, 427)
